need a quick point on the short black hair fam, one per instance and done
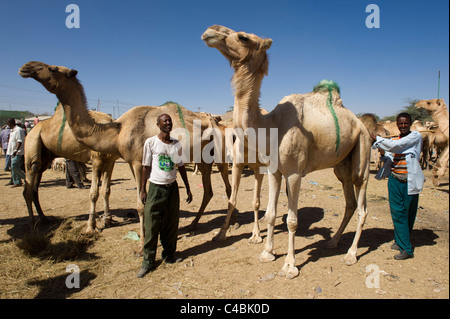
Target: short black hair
(11, 121)
(405, 115)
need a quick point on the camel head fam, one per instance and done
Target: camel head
(240, 48)
(430, 105)
(53, 78)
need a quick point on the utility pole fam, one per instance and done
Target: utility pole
(439, 82)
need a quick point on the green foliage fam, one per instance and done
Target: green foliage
(410, 107)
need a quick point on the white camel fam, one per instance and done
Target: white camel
(314, 132)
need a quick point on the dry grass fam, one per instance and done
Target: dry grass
(26, 262)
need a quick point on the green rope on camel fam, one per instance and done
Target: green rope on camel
(328, 85)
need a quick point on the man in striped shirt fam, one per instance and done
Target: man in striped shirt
(405, 181)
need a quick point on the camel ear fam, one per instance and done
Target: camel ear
(439, 102)
(266, 44)
(72, 73)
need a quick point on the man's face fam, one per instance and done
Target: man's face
(165, 123)
(404, 125)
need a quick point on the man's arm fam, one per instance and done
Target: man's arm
(145, 175)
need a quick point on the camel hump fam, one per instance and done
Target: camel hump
(327, 86)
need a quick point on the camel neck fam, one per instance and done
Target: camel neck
(246, 103)
(83, 126)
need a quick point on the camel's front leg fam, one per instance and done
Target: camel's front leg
(137, 172)
(106, 190)
(93, 196)
(235, 180)
(289, 269)
(274, 191)
(256, 233)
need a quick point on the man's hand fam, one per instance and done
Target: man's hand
(373, 137)
(143, 196)
(14, 154)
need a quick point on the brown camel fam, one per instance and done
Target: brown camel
(126, 136)
(439, 112)
(53, 138)
(310, 137)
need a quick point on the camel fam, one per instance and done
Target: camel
(427, 142)
(52, 138)
(124, 137)
(311, 136)
(439, 112)
(370, 122)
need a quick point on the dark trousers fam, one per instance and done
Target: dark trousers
(161, 217)
(403, 211)
(72, 173)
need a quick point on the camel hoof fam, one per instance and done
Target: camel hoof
(234, 226)
(90, 230)
(107, 222)
(349, 259)
(289, 271)
(139, 252)
(255, 239)
(265, 257)
(220, 237)
(331, 244)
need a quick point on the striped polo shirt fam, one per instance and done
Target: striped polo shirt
(399, 168)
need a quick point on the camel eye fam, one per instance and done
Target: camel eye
(243, 38)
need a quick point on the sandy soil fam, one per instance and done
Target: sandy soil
(222, 270)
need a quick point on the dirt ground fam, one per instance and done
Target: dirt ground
(38, 268)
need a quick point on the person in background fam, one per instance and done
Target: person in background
(4, 135)
(73, 175)
(16, 151)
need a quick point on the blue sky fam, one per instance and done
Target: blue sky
(135, 52)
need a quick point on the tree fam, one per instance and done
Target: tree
(416, 114)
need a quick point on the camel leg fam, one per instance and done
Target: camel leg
(355, 167)
(223, 169)
(440, 166)
(350, 257)
(235, 180)
(29, 188)
(137, 173)
(93, 196)
(256, 234)
(343, 173)
(106, 191)
(274, 191)
(289, 270)
(205, 170)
